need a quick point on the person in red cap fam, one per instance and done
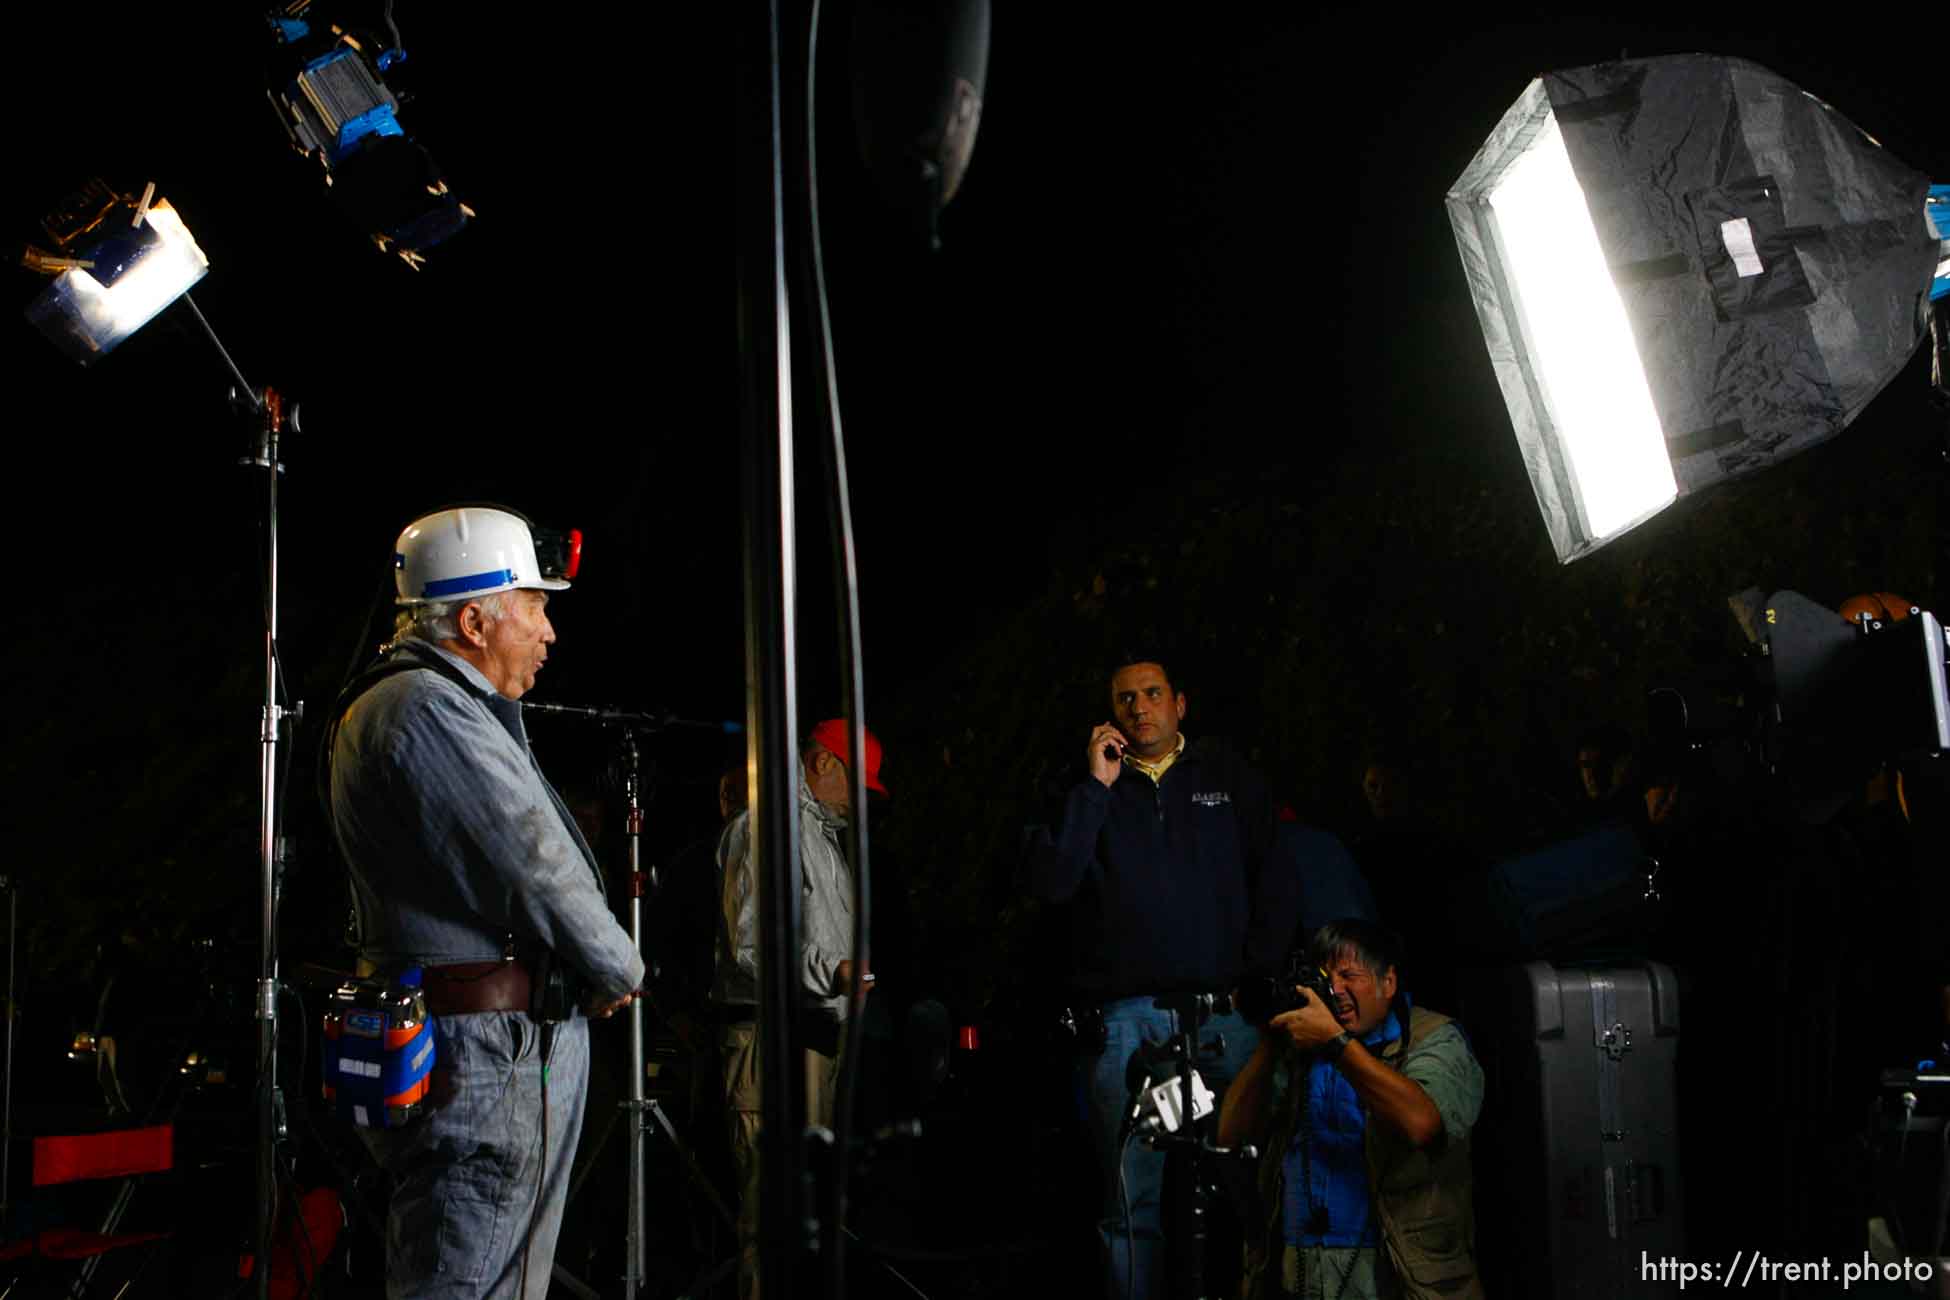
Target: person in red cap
(826, 975)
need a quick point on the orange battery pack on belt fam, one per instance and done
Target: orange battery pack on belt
(378, 1058)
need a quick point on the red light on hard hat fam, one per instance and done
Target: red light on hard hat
(574, 558)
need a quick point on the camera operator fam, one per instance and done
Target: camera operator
(1364, 1134)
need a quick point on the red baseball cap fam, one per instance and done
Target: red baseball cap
(832, 735)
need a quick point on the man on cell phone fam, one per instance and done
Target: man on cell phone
(1158, 850)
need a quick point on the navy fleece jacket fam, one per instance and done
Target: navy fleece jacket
(1162, 878)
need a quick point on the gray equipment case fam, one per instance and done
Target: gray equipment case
(1577, 1160)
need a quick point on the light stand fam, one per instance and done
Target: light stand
(271, 417)
(112, 279)
(268, 410)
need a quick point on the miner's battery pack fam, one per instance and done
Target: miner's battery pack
(378, 1058)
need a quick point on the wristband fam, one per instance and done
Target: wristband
(1335, 1046)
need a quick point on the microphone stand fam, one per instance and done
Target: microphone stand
(646, 722)
(638, 1108)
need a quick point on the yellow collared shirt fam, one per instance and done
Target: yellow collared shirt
(1155, 768)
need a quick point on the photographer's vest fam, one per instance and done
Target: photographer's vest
(1420, 1196)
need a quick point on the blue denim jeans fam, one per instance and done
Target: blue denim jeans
(473, 1176)
(1135, 1263)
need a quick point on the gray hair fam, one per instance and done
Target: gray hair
(439, 620)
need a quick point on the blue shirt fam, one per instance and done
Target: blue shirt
(1330, 1172)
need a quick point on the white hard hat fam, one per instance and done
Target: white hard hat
(468, 551)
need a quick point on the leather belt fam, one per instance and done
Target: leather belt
(475, 986)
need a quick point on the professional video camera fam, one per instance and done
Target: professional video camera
(1828, 697)
(1262, 997)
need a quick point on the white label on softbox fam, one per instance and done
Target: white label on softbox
(1738, 236)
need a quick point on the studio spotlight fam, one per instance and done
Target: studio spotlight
(331, 92)
(1686, 269)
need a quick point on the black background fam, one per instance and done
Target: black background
(1196, 354)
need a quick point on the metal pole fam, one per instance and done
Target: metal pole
(269, 410)
(244, 390)
(271, 416)
(633, 1277)
(7, 1145)
(771, 699)
(267, 986)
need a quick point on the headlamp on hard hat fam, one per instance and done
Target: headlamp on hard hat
(558, 553)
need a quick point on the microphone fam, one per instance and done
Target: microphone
(626, 718)
(919, 67)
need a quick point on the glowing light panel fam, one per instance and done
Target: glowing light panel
(1580, 343)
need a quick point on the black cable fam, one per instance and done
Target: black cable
(277, 675)
(1124, 1199)
(312, 1265)
(853, 688)
(263, 1096)
(547, 1051)
(346, 1178)
(262, 1239)
(853, 691)
(297, 1201)
(361, 654)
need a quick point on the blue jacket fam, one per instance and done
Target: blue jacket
(1163, 878)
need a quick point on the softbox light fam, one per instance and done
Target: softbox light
(1686, 269)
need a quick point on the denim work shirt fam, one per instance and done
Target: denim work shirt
(455, 839)
(825, 909)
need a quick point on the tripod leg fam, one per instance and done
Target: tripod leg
(656, 1112)
(574, 1284)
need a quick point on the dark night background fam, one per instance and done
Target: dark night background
(1196, 362)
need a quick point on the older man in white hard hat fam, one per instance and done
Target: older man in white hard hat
(467, 868)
